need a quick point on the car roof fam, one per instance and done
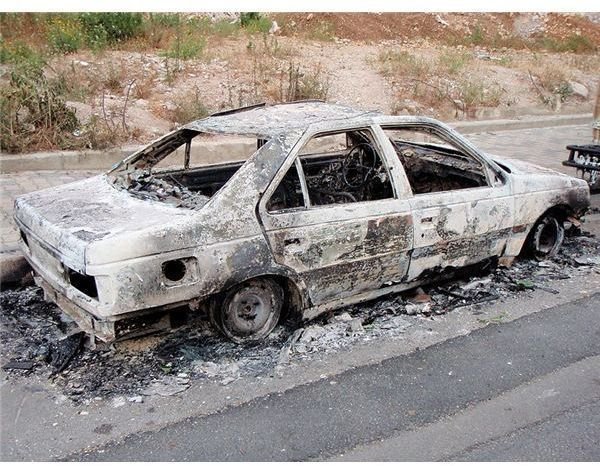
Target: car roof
(271, 120)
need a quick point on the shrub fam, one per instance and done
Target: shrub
(189, 107)
(64, 34)
(323, 31)
(33, 113)
(305, 84)
(247, 18)
(476, 37)
(165, 19)
(474, 93)
(402, 63)
(454, 61)
(186, 48)
(255, 22)
(578, 44)
(19, 52)
(116, 26)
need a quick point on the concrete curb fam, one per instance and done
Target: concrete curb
(527, 122)
(13, 267)
(103, 160)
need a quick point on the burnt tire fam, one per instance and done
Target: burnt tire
(248, 311)
(546, 237)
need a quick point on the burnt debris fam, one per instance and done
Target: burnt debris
(145, 185)
(35, 334)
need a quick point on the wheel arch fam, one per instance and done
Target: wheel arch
(561, 212)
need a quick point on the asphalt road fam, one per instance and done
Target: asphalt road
(366, 411)
(569, 436)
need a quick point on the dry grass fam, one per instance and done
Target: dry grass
(189, 106)
(275, 76)
(453, 61)
(447, 82)
(403, 63)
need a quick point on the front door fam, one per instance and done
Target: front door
(460, 216)
(335, 219)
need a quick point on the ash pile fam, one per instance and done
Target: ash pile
(37, 339)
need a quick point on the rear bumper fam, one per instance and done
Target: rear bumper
(102, 329)
(49, 274)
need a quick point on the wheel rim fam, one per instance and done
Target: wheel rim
(251, 312)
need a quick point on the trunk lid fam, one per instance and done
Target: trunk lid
(65, 220)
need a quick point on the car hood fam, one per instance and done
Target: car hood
(528, 176)
(520, 167)
(69, 219)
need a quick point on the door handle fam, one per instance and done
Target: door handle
(290, 241)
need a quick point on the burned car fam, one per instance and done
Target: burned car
(335, 206)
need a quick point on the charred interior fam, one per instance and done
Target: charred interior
(152, 175)
(354, 172)
(437, 169)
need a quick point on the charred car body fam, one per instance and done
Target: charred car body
(334, 207)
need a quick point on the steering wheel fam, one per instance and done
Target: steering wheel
(354, 172)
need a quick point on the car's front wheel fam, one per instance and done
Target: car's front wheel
(248, 311)
(546, 237)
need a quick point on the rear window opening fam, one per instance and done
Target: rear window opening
(185, 168)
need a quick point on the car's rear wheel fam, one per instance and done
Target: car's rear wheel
(248, 311)
(546, 237)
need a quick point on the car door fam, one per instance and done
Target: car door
(455, 224)
(340, 242)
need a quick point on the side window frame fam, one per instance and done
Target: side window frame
(271, 192)
(380, 152)
(392, 166)
(457, 142)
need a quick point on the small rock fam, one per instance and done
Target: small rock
(579, 89)
(355, 326)
(300, 348)
(136, 399)
(546, 264)
(343, 317)
(311, 333)
(411, 309)
(208, 368)
(423, 308)
(442, 21)
(228, 380)
(274, 28)
(118, 401)
(587, 260)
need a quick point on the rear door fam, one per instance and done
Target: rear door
(335, 216)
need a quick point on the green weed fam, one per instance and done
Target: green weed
(403, 63)
(454, 61)
(65, 34)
